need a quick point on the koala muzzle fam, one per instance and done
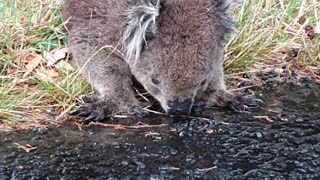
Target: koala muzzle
(179, 108)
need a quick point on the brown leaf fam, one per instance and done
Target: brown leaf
(33, 63)
(64, 65)
(56, 55)
(47, 74)
(52, 73)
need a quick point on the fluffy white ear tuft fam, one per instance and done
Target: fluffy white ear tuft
(140, 25)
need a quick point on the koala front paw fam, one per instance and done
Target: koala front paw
(245, 104)
(95, 110)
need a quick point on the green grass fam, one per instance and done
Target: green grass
(266, 30)
(29, 27)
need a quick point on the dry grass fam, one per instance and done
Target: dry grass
(269, 30)
(30, 89)
(31, 33)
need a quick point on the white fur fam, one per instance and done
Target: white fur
(139, 19)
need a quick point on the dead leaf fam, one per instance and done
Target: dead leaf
(42, 74)
(56, 55)
(33, 63)
(63, 65)
(52, 73)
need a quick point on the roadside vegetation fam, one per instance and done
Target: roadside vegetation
(38, 82)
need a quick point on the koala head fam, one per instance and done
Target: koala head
(175, 48)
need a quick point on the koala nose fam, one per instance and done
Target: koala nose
(179, 108)
(198, 106)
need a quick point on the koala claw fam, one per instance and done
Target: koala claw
(74, 112)
(90, 98)
(95, 111)
(90, 118)
(247, 104)
(240, 108)
(253, 102)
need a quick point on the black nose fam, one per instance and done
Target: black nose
(179, 108)
(198, 106)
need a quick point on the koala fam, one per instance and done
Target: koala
(173, 48)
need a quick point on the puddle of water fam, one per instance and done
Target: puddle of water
(230, 146)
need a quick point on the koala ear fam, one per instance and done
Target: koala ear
(141, 25)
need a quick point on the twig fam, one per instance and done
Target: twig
(27, 148)
(120, 126)
(207, 169)
(239, 89)
(155, 112)
(141, 95)
(184, 116)
(64, 112)
(267, 118)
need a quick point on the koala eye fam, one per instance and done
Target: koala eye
(155, 81)
(203, 82)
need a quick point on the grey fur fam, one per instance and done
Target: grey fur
(174, 48)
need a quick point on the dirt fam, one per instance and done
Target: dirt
(282, 141)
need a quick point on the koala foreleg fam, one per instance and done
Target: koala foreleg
(217, 94)
(109, 75)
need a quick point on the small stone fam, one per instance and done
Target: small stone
(259, 134)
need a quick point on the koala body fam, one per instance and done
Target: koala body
(174, 48)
